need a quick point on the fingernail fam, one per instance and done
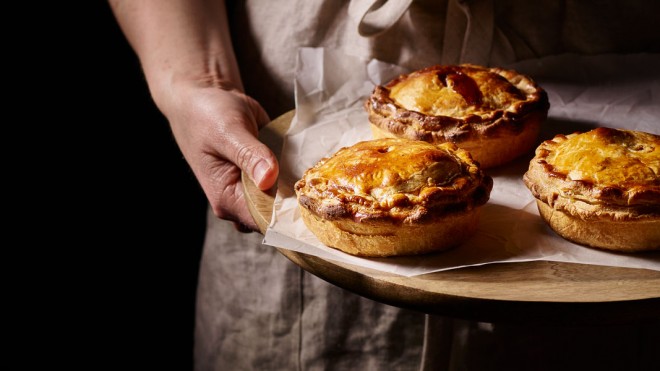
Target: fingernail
(260, 171)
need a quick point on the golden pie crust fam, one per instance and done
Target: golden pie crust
(393, 196)
(494, 113)
(600, 188)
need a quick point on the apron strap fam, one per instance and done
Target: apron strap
(376, 16)
(468, 32)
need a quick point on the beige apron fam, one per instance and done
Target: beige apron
(258, 311)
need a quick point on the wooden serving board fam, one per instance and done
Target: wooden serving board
(539, 292)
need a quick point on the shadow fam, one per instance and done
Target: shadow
(554, 126)
(489, 244)
(591, 70)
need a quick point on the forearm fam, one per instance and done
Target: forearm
(188, 60)
(179, 39)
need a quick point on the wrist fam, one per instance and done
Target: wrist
(168, 84)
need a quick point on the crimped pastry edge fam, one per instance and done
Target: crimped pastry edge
(587, 200)
(471, 194)
(520, 121)
(493, 151)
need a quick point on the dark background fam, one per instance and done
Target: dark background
(114, 218)
(165, 208)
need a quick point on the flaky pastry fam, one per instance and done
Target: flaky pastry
(493, 113)
(600, 188)
(393, 196)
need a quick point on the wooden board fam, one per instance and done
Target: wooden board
(534, 292)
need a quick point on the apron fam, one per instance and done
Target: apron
(256, 310)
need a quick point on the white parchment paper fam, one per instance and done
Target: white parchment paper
(584, 92)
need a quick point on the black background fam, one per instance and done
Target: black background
(165, 209)
(110, 220)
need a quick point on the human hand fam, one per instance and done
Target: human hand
(216, 129)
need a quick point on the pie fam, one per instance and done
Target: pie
(600, 188)
(494, 113)
(393, 196)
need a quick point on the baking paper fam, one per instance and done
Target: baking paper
(584, 92)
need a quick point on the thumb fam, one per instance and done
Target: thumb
(261, 167)
(252, 157)
(265, 170)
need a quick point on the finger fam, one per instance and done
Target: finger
(245, 222)
(242, 227)
(226, 195)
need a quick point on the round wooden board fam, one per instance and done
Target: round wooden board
(535, 292)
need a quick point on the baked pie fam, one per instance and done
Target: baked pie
(393, 196)
(600, 188)
(493, 113)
